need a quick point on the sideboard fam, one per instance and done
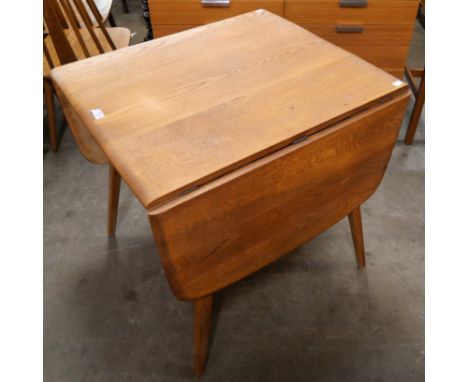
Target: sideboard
(379, 31)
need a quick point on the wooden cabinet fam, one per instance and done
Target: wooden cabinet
(379, 31)
(168, 16)
(382, 12)
(385, 46)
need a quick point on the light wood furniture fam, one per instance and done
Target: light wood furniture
(115, 181)
(104, 8)
(73, 30)
(243, 139)
(379, 31)
(419, 92)
(72, 36)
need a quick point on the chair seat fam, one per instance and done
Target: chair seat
(120, 37)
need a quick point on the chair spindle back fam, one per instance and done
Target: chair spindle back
(76, 16)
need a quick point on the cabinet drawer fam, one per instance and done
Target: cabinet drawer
(385, 46)
(330, 12)
(193, 12)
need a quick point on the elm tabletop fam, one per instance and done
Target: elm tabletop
(243, 139)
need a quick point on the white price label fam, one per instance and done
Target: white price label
(97, 113)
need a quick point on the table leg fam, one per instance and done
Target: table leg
(49, 101)
(201, 330)
(355, 222)
(418, 106)
(114, 193)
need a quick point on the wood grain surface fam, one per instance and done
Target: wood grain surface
(160, 30)
(178, 12)
(243, 139)
(88, 146)
(243, 221)
(385, 46)
(379, 12)
(70, 35)
(120, 37)
(388, 24)
(183, 110)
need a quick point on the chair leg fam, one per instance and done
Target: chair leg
(416, 114)
(201, 330)
(112, 20)
(358, 239)
(49, 101)
(124, 6)
(114, 192)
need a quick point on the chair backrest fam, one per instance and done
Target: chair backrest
(69, 35)
(63, 17)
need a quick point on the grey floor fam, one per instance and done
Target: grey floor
(312, 316)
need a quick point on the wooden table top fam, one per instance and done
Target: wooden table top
(185, 109)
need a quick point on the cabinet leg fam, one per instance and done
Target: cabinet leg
(49, 101)
(358, 239)
(114, 193)
(201, 330)
(416, 114)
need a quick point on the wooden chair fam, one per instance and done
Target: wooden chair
(418, 92)
(67, 41)
(74, 29)
(105, 10)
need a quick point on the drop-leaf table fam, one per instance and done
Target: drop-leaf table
(243, 139)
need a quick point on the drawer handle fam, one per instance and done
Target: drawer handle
(353, 3)
(216, 3)
(349, 28)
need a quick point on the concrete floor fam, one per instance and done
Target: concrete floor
(109, 314)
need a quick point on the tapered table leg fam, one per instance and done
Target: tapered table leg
(114, 193)
(416, 114)
(49, 101)
(201, 330)
(358, 239)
